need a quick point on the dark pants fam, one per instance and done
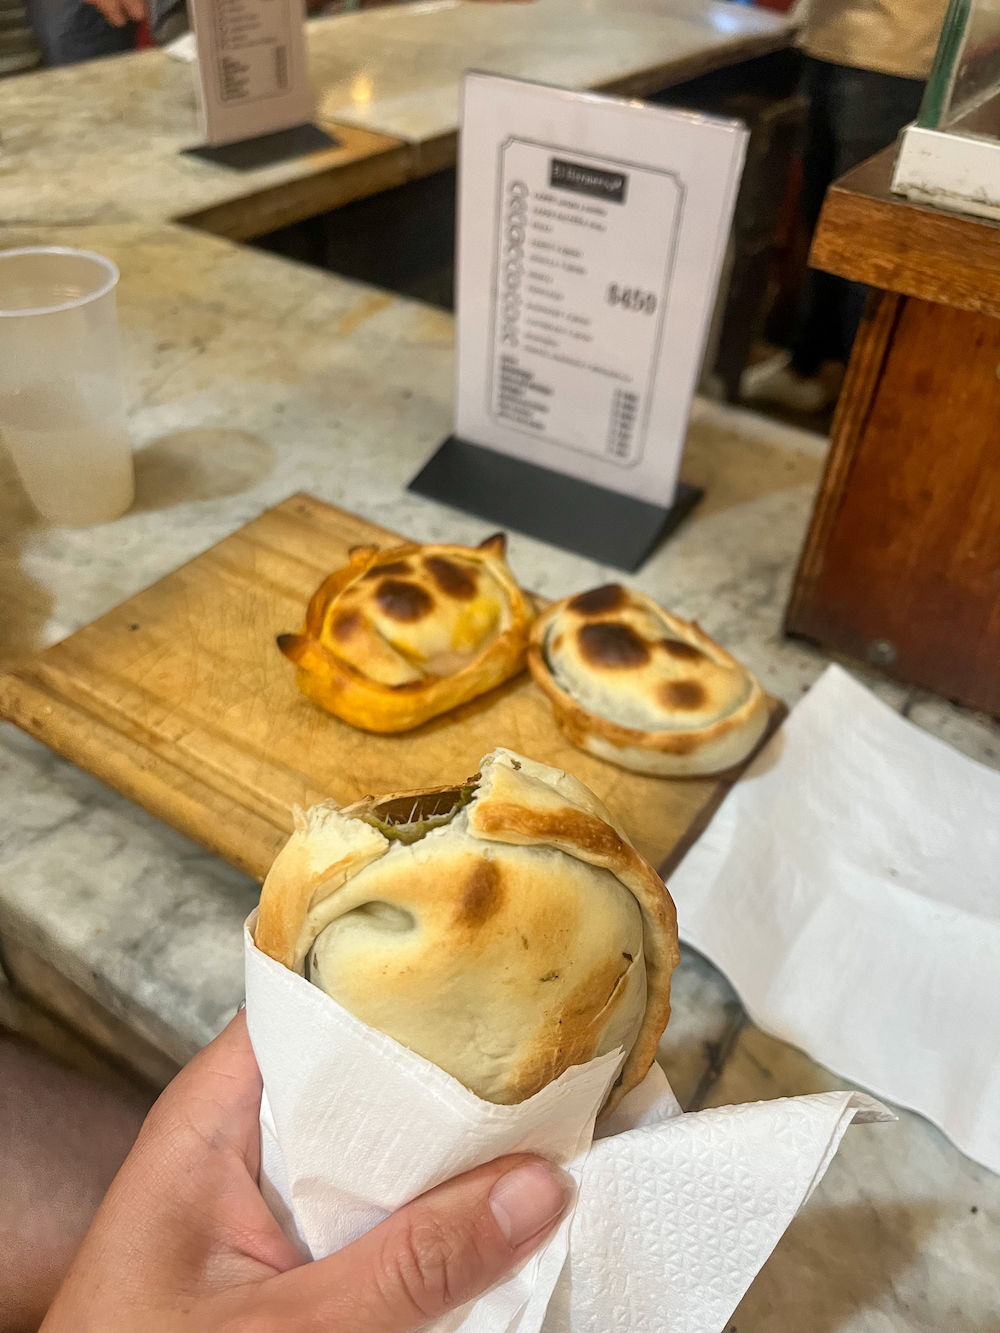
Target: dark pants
(69, 31)
(853, 114)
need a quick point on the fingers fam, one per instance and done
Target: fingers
(430, 1257)
(217, 1094)
(120, 12)
(112, 11)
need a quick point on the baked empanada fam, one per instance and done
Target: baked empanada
(630, 683)
(504, 929)
(399, 636)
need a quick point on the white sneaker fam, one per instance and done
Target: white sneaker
(774, 381)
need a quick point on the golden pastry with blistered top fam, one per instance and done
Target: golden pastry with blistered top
(399, 636)
(504, 929)
(632, 684)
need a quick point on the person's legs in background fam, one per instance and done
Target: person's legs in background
(859, 113)
(853, 114)
(62, 1139)
(69, 31)
(814, 339)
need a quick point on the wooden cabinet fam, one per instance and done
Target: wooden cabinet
(901, 565)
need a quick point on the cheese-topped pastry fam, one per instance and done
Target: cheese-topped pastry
(635, 685)
(504, 929)
(398, 636)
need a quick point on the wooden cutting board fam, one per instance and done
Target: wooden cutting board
(180, 700)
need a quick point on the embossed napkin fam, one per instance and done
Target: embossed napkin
(849, 888)
(675, 1213)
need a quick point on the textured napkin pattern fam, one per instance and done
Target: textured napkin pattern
(690, 1209)
(849, 888)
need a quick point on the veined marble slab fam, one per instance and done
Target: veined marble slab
(102, 142)
(250, 377)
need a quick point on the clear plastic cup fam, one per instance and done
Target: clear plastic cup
(61, 412)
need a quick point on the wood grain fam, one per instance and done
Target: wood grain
(903, 544)
(871, 235)
(180, 699)
(850, 419)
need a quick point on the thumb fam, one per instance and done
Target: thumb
(430, 1257)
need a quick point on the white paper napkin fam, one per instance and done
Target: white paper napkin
(353, 1125)
(675, 1219)
(675, 1213)
(849, 887)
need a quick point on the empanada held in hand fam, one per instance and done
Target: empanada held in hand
(504, 929)
(630, 683)
(399, 636)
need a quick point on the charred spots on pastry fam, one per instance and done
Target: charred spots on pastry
(680, 742)
(628, 956)
(550, 976)
(564, 825)
(345, 625)
(684, 652)
(289, 644)
(451, 578)
(405, 602)
(599, 601)
(483, 893)
(609, 643)
(495, 545)
(388, 567)
(682, 694)
(575, 1023)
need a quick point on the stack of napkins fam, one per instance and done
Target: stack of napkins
(675, 1213)
(849, 888)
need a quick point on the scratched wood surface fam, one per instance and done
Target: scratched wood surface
(180, 700)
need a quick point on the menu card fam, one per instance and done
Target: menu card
(591, 237)
(252, 67)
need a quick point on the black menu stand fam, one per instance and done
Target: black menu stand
(575, 515)
(266, 149)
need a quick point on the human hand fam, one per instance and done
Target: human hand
(120, 12)
(184, 1242)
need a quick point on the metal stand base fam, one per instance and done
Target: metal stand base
(575, 515)
(265, 149)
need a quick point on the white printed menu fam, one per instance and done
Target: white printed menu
(252, 67)
(591, 237)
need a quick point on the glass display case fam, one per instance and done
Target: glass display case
(951, 155)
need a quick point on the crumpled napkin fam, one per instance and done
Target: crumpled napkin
(849, 888)
(675, 1213)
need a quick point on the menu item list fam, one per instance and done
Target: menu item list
(583, 257)
(252, 42)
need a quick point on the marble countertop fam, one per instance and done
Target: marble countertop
(101, 142)
(398, 70)
(251, 377)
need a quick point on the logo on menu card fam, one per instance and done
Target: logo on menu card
(607, 185)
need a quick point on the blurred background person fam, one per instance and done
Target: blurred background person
(866, 64)
(69, 31)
